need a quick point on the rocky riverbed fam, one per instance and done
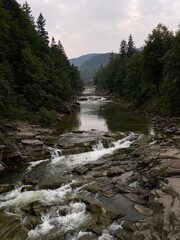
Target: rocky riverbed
(127, 192)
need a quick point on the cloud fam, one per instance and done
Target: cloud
(86, 26)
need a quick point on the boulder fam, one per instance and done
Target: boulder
(10, 155)
(6, 188)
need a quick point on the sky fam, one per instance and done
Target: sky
(99, 26)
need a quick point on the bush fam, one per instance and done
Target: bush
(47, 117)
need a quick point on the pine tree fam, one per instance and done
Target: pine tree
(41, 22)
(27, 9)
(53, 42)
(130, 46)
(123, 49)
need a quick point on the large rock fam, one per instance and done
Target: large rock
(6, 188)
(10, 155)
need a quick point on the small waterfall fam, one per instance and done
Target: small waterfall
(55, 153)
(98, 151)
(98, 146)
(62, 214)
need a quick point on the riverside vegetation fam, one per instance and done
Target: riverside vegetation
(148, 78)
(36, 77)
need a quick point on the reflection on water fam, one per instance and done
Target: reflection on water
(89, 116)
(97, 113)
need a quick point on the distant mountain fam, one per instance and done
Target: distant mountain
(82, 59)
(89, 69)
(90, 63)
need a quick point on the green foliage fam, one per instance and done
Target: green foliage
(149, 78)
(41, 22)
(33, 76)
(171, 86)
(157, 44)
(133, 81)
(47, 117)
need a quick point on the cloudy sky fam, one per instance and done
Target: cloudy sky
(98, 26)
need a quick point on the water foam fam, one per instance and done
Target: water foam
(75, 218)
(98, 152)
(19, 199)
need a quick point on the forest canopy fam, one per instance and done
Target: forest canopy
(149, 77)
(35, 74)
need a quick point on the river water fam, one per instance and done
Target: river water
(60, 212)
(104, 115)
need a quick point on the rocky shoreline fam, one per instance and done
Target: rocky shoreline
(140, 185)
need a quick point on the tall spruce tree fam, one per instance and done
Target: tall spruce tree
(123, 49)
(27, 9)
(131, 49)
(41, 23)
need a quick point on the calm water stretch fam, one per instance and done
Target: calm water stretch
(60, 210)
(101, 114)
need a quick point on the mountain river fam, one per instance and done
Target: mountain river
(63, 204)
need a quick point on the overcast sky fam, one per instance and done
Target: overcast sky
(98, 26)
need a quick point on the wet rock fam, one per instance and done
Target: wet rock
(10, 155)
(80, 170)
(75, 107)
(125, 176)
(171, 152)
(141, 199)
(25, 135)
(12, 227)
(34, 149)
(83, 99)
(6, 188)
(82, 139)
(86, 236)
(64, 108)
(2, 166)
(143, 210)
(32, 142)
(114, 171)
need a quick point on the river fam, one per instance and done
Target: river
(52, 201)
(104, 115)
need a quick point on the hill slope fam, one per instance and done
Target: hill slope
(89, 69)
(82, 59)
(90, 63)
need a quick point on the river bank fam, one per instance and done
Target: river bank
(128, 184)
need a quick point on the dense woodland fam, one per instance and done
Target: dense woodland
(149, 78)
(35, 74)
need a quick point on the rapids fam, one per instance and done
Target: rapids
(62, 210)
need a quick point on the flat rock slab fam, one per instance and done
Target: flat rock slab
(31, 142)
(124, 177)
(175, 183)
(171, 152)
(172, 164)
(84, 139)
(26, 134)
(143, 210)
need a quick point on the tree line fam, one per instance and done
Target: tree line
(148, 77)
(36, 76)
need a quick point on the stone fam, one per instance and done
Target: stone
(10, 155)
(6, 188)
(171, 152)
(125, 176)
(143, 210)
(114, 171)
(136, 198)
(31, 142)
(80, 170)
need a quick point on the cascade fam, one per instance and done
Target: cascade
(61, 212)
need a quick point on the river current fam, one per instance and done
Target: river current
(61, 213)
